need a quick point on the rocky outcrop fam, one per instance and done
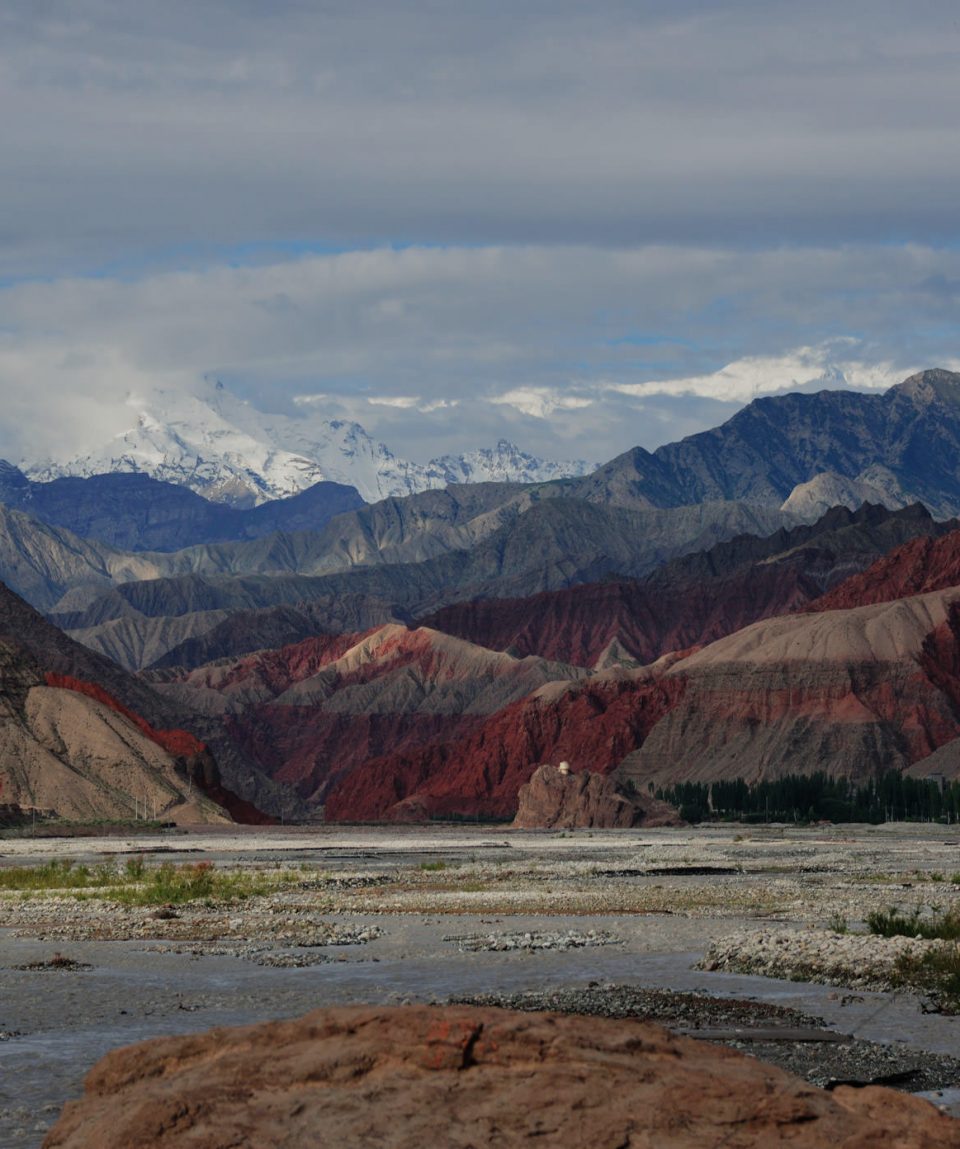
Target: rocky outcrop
(556, 799)
(464, 1077)
(875, 485)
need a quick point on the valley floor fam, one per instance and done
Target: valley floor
(585, 921)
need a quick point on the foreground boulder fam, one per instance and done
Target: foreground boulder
(556, 799)
(405, 1078)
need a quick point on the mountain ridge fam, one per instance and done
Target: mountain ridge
(776, 443)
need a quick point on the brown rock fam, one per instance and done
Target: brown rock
(406, 1078)
(553, 799)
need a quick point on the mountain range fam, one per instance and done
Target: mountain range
(901, 446)
(220, 446)
(776, 595)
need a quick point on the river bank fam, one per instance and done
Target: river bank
(385, 915)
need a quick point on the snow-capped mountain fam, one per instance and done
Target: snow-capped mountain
(225, 449)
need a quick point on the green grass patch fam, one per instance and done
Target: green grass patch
(891, 923)
(137, 884)
(60, 875)
(201, 882)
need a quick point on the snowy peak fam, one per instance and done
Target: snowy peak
(225, 449)
(504, 463)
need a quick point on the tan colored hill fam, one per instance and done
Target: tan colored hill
(64, 752)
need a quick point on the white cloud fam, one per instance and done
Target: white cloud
(405, 402)
(570, 351)
(439, 405)
(826, 367)
(540, 402)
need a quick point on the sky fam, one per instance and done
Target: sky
(578, 227)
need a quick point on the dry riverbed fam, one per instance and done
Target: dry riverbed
(602, 922)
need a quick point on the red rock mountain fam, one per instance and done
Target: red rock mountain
(401, 723)
(313, 712)
(592, 724)
(921, 565)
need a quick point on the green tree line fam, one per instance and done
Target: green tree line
(890, 797)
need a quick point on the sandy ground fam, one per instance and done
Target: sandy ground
(394, 914)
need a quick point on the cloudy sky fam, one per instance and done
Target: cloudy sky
(554, 222)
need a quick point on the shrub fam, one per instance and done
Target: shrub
(891, 923)
(936, 974)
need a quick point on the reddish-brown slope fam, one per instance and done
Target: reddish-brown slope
(176, 742)
(592, 724)
(647, 620)
(314, 711)
(852, 693)
(921, 565)
(692, 600)
(274, 671)
(310, 749)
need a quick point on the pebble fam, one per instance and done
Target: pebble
(857, 961)
(529, 942)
